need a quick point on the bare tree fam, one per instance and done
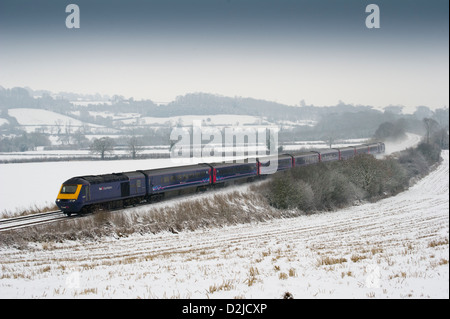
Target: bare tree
(134, 145)
(329, 140)
(441, 138)
(58, 125)
(102, 146)
(66, 136)
(79, 138)
(431, 126)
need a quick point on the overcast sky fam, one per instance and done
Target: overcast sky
(319, 51)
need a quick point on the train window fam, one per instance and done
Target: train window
(138, 183)
(306, 160)
(68, 189)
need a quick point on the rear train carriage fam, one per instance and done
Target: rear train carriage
(381, 147)
(373, 148)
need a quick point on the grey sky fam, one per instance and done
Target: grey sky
(280, 50)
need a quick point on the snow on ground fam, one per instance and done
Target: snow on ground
(395, 248)
(39, 117)
(410, 141)
(40, 154)
(187, 120)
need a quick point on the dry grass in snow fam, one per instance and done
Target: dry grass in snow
(395, 248)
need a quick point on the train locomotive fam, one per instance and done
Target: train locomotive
(84, 194)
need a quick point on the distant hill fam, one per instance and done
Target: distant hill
(118, 114)
(202, 103)
(189, 104)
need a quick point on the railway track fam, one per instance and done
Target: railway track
(58, 215)
(31, 220)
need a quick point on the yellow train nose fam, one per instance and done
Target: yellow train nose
(69, 191)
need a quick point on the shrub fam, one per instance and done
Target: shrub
(390, 131)
(315, 187)
(284, 192)
(366, 172)
(413, 162)
(395, 178)
(431, 152)
(341, 190)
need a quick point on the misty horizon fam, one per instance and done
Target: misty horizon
(96, 98)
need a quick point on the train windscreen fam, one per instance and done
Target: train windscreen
(68, 189)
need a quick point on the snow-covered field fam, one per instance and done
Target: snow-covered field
(44, 155)
(39, 117)
(395, 248)
(187, 120)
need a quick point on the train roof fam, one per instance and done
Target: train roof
(174, 170)
(105, 178)
(373, 144)
(328, 151)
(97, 179)
(345, 148)
(304, 154)
(270, 157)
(220, 165)
(75, 181)
(134, 174)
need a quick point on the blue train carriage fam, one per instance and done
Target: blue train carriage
(346, 152)
(328, 155)
(306, 158)
(85, 193)
(361, 149)
(284, 162)
(224, 174)
(170, 181)
(376, 148)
